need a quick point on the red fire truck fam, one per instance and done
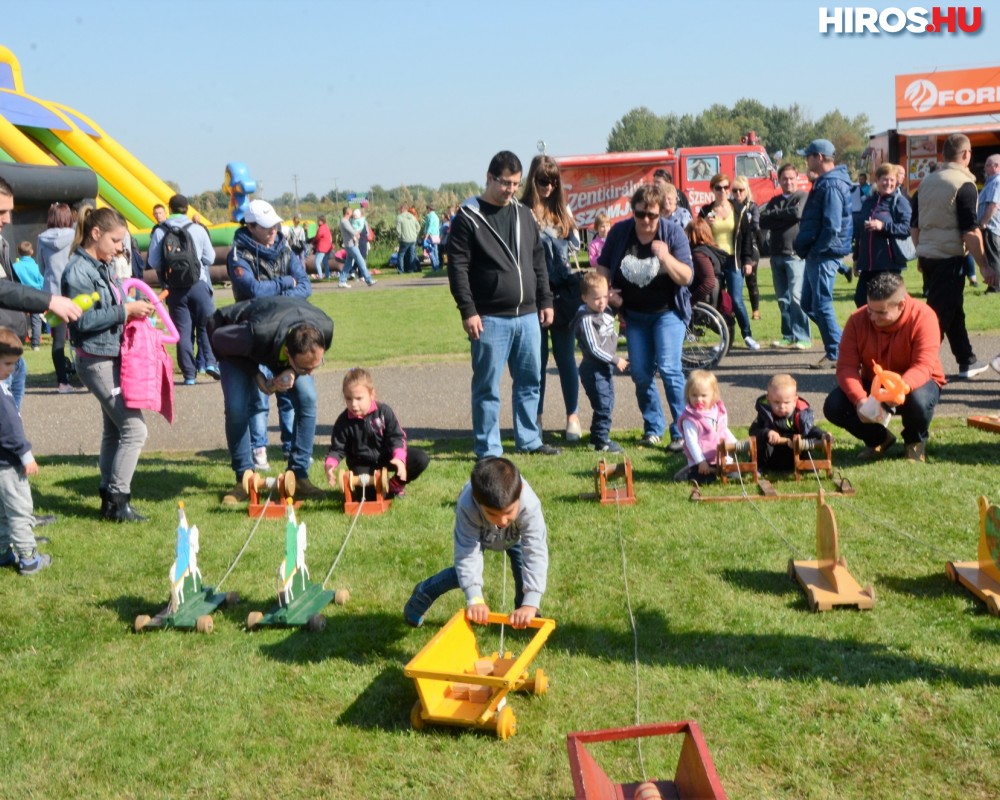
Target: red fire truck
(605, 182)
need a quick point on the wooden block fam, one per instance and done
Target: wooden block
(483, 666)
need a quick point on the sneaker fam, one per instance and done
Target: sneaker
(751, 343)
(755, 315)
(573, 430)
(343, 286)
(416, 608)
(34, 563)
(804, 344)
(849, 274)
(65, 388)
(991, 290)
(190, 382)
(784, 342)
(305, 489)
(972, 370)
(608, 447)
(995, 363)
(9, 559)
(260, 459)
(879, 451)
(916, 451)
(372, 282)
(541, 450)
(236, 496)
(649, 440)
(676, 445)
(212, 370)
(824, 363)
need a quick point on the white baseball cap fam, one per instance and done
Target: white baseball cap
(262, 213)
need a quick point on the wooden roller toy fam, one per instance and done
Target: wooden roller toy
(605, 473)
(735, 466)
(256, 485)
(367, 493)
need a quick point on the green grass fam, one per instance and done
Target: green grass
(897, 702)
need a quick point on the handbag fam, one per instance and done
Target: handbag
(903, 250)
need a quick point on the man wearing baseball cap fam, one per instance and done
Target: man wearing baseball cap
(824, 238)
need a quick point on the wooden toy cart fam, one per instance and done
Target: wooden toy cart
(374, 488)
(458, 686)
(607, 495)
(191, 602)
(982, 577)
(695, 778)
(254, 485)
(826, 581)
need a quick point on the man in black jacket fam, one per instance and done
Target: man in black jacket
(500, 282)
(780, 218)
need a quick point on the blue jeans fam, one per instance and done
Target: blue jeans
(598, 378)
(817, 301)
(447, 579)
(353, 260)
(564, 351)
(516, 343)
(732, 277)
(320, 258)
(241, 399)
(916, 413)
(407, 257)
(432, 251)
(654, 346)
(15, 382)
(190, 309)
(788, 273)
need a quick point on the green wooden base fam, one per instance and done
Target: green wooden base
(192, 614)
(303, 610)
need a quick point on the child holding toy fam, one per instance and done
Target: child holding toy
(703, 423)
(595, 331)
(496, 510)
(370, 437)
(18, 547)
(782, 414)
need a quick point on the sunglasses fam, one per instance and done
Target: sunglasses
(722, 187)
(545, 183)
(646, 215)
(738, 189)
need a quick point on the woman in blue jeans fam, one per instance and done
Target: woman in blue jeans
(647, 262)
(544, 196)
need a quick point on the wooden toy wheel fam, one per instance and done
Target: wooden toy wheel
(253, 619)
(317, 622)
(416, 720)
(204, 624)
(384, 480)
(232, 599)
(949, 570)
(870, 591)
(248, 481)
(541, 683)
(506, 723)
(842, 561)
(993, 605)
(813, 602)
(140, 622)
(289, 483)
(341, 596)
(791, 568)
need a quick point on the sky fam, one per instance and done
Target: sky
(351, 94)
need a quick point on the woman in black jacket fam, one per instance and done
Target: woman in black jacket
(885, 215)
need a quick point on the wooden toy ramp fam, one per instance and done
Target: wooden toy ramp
(989, 423)
(826, 581)
(695, 778)
(982, 577)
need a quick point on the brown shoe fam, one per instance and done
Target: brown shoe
(307, 490)
(915, 451)
(235, 496)
(879, 451)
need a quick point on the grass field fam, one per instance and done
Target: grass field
(898, 702)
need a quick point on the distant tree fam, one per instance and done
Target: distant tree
(849, 135)
(639, 129)
(310, 198)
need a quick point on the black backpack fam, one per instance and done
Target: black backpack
(180, 266)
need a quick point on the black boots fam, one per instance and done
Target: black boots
(117, 507)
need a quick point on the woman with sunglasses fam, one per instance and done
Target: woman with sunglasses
(741, 192)
(885, 215)
(733, 232)
(647, 261)
(544, 196)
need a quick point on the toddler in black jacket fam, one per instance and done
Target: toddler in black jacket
(370, 437)
(781, 415)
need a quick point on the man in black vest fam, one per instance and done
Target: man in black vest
(288, 336)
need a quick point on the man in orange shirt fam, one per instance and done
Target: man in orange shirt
(901, 335)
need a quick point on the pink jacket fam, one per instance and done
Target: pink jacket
(712, 426)
(147, 370)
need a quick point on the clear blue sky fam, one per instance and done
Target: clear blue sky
(425, 91)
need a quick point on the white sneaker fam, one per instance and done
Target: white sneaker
(260, 459)
(751, 343)
(995, 363)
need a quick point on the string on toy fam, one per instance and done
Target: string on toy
(354, 521)
(753, 505)
(239, 555)
(635, 631)
(503, 596)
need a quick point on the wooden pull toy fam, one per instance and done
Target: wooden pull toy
(254, 485)
(372, 488)
(728, 460)
(826, 581)
(807, 455)
(616, 493)
(982, 577)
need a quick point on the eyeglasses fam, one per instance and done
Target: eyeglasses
(545, 183)
(722, 187)
(738, 189)
(307, 370)
(646, 215)
(507, 184)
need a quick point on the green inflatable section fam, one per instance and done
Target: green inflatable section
(221, 235)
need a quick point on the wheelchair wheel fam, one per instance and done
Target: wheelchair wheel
(706, 340)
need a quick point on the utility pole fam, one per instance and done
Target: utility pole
(295, 179)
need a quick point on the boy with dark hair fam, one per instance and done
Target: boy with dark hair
(18, 547)
(496, 510)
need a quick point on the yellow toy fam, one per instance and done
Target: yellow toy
(826, 581)
(982, 577)
(457, 686)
